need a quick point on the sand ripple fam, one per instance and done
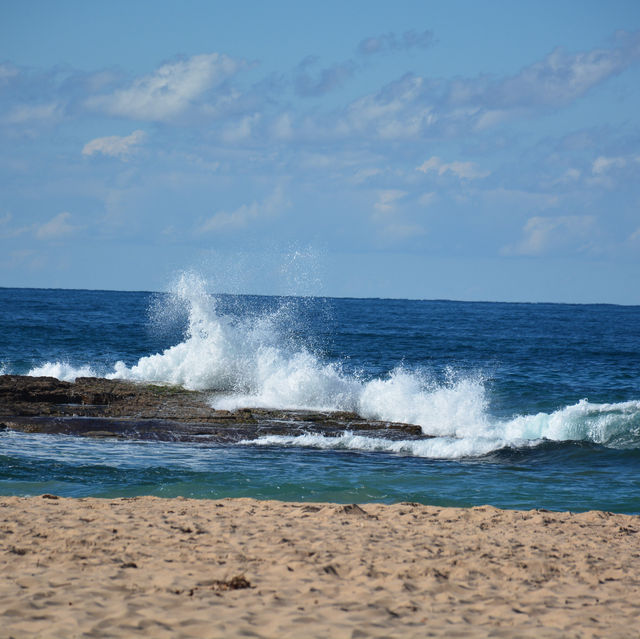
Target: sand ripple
(245, 568)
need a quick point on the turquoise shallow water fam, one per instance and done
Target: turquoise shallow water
(557, 477)
(532, 405)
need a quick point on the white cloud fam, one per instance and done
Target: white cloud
(310, 160)
(7, 71)
(562, 77)
(494, 117)
(169, 91)
(7, 230)
(222, 103)
(387, 200)
(399, 231)
(242, 129)
(38, 113)
(56, 227)
(414, 106)
(363, 175)
(545, 234)
(427, 199)
(115, 145)
(463, 170)
(570, 175)
(390, 223)
(394, 112)
(241, 217)
(408, 127)
(569, 179)
(23, 259)
(282, 128)
(311, 84)
(602, 164)
(326, 80)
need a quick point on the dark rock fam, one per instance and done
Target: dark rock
(95, 407)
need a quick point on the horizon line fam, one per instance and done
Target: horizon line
(336, 297)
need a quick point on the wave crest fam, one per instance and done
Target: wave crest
(251, 359)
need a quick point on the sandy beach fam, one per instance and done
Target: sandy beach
(245, 568)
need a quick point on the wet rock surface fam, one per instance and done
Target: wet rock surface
(96, 407)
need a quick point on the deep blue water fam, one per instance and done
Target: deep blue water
(532, 405)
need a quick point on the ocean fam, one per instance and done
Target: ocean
(530, 405)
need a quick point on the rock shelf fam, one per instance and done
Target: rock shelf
(97, 407)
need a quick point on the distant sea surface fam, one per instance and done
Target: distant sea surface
(531, 405)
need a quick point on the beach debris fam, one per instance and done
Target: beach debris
(330, 569)
(235, 583)
(354, 509)
(311, 509)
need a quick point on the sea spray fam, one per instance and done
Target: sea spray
(63, 371)
(246, 355)
(252, 357)
(253, 360)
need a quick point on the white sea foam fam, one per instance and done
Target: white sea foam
(611, 424)
(62, 370)
(249, 358)
(616, 425)
(436, 448)
(252, 361)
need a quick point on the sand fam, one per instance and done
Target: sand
(244, 568)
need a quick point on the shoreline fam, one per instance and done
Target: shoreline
(147, 566)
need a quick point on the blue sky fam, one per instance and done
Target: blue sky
(461, 150)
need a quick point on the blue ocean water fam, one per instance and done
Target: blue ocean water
(531, 405)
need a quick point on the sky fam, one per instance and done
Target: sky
(415, 149)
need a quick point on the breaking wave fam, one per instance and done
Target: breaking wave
(62, 370)
(252, 360)
(611, 425)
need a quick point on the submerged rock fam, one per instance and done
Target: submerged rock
(96, 407)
